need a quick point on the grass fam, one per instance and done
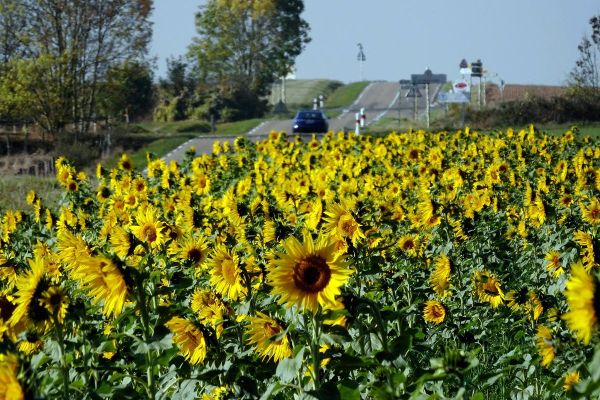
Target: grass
(345, 95)
(159, 147)
(14, 189)
(301, 92)
(238, 128)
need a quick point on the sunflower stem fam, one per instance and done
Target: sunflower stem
(63, 362)
(151, 388)
(314, 350)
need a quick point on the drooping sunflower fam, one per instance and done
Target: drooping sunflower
(308, 274)
(487, 287)
(554, 265)
(545, 346)
(149, 228)
(586, 242)
(581, 295)
(264, 333)
(189, 338)
(209, 309)
(121, 242)
(103, 281)
(434, 312)
(440, 277)
(225, 273)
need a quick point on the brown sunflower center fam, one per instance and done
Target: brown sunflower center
(347, 225)
(595, 213)
(272, 330)
(408, 244)
(437, 311)
(149, 233)
(311, 274)
(194, 254)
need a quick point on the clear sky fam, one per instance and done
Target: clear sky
(520, 41)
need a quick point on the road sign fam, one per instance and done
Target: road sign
(413, 92)
(423, 79)
(461, 86)
(452, 97)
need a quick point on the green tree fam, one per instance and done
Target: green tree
(127, 93)
(64, 52)
(586, 73)
(244, 46)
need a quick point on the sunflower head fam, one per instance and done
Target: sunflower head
(268, 338)
(308, 274)
(434, 312)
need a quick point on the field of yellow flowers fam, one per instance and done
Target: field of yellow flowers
(445, 265)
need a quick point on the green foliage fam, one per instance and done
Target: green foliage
(127, 92)
(243, 47)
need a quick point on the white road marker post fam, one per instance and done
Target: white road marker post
(321, 101)
(315, 104)
(357, 127)
(363, 117)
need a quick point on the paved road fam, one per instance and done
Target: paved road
(379, 99)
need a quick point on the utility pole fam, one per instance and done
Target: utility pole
(361, 60)
(428, 75)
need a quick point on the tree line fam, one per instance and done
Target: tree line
(65, 64)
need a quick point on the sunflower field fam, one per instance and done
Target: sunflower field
(443, 265)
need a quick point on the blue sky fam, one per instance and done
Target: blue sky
(520, 41)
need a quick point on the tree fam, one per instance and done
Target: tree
(244, 46)
(127, 93)
(586, 73)
(66, 50)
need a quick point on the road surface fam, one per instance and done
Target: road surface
(379, 99)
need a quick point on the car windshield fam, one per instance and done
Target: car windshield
(310, 115)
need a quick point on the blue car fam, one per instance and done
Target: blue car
(310, 121)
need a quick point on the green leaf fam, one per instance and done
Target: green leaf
(288, 368)
(348, 393)
(478, 396)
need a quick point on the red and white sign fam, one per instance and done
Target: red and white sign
(460, 86)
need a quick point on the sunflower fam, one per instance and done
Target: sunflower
(55, 301)
(586, 242)
(591, 213)
(582, 299)
(189, 338)
(149, 228)
(554, 265)
(488, 288)
(10, 388)
(226, 275)
(308, 274)
(31, 343)
(440, 277)
(121, 242)
(434, 312)
(543, 341)
(409, 244)
(209, 309)
(103, 281)
(190, 249)
(571, 378)
(268, 338)
(125, 163)
(29, 290)
(339, 221)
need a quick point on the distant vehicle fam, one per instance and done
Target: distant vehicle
(310, 121)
